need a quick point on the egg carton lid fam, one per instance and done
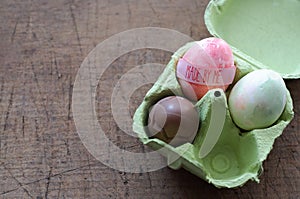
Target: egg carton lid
(264, 34)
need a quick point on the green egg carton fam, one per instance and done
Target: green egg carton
(238, 155)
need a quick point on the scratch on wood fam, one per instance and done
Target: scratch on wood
(48, 183)
(39, 90)
(9, 191)
(273, 190)
(14, 32)
(153, 10)
(67, 146)
(278, 164)
(147, 173)
(107, 22)
(61, 173)
(8, 108)
(36, 127)
(1, 90)
(70, 94)
(149, 179)
(59, 189)
(23, 126)
(191, 30)
(75, 26)
(18, 182)
(129, 12)
(90, 170)
(49, 176)
(125, 182)
(54, 61)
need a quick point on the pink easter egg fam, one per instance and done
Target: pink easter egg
(208, 64)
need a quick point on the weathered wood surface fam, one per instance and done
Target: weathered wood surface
(42, 46)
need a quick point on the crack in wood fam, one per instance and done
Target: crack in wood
(18, 182)
(50, 175)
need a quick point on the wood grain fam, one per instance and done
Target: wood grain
(43, 44)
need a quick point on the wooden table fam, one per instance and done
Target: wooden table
(43, 44)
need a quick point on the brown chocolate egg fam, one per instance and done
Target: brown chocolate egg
(174, 120)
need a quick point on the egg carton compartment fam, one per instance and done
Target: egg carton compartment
(236, 157)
